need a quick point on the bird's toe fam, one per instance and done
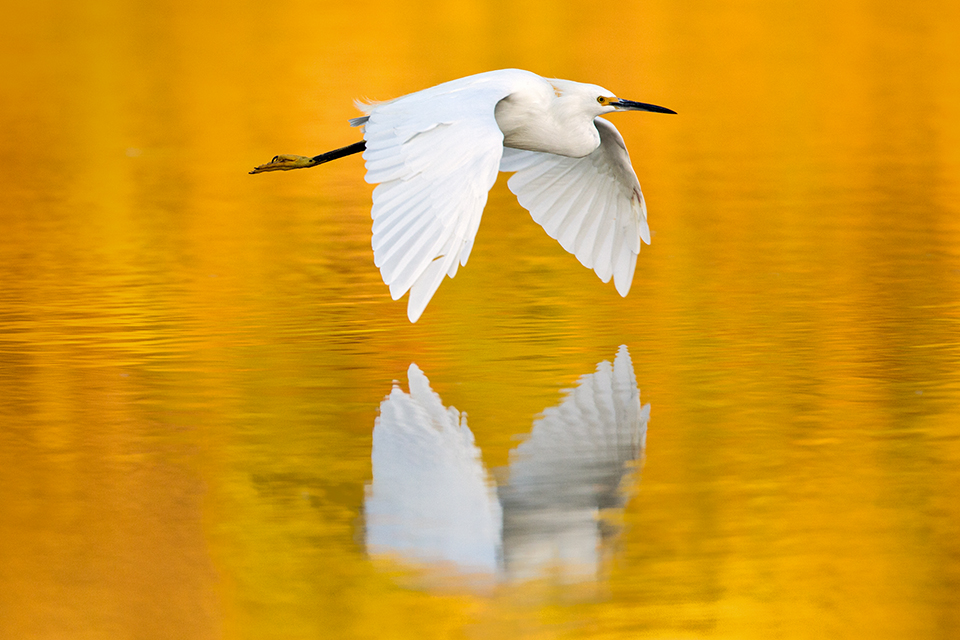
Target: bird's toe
(284, 163)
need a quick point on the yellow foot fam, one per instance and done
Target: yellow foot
(285, 163)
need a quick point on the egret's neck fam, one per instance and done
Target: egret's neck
(543, 121)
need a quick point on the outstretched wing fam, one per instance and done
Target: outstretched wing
(435, 155)
(592, 205)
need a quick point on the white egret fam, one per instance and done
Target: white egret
(435, 154)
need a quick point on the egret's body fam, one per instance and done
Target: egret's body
(435, 154)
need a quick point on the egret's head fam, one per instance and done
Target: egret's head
(593, 100)
(597, 101)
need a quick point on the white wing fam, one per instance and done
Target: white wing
(430, 498)
(435, 155)
(592, 205)
(569, 470)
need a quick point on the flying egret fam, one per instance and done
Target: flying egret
(435, 154)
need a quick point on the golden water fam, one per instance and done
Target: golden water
(192, 359)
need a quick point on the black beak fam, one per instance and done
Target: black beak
(630, 105)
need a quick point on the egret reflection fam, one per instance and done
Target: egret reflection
(431, 500)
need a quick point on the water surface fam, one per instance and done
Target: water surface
(193, 360)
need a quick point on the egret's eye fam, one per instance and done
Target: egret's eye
(601, 99)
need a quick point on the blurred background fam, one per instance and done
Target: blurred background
(192, 359)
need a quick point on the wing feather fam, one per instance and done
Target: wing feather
(592, 206)
(435, 155)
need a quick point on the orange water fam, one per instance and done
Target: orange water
(192, 358)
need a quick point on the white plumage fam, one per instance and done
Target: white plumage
(592, 206)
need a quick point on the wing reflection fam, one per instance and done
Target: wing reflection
(430, 498)
(569, 471)
(431, 501)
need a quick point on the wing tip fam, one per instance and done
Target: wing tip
(414, 313)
